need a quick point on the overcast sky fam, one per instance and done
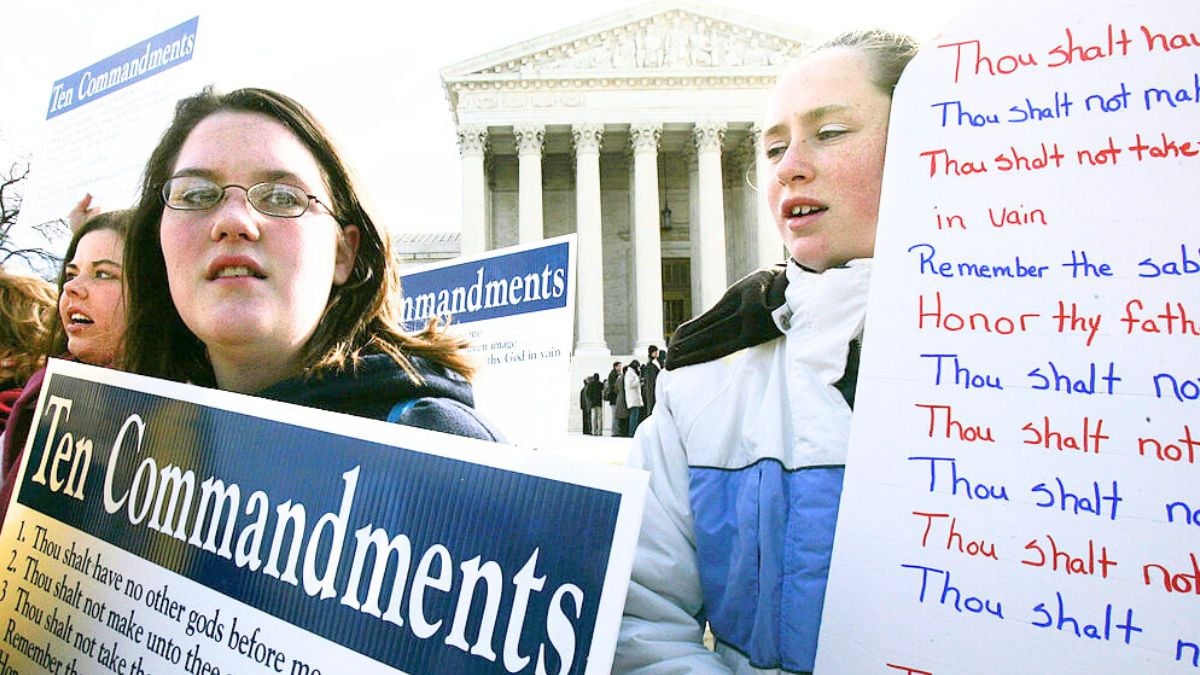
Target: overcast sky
(368, 69)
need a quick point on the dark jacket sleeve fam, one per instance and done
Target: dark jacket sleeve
(16, 431)
(740, 319)
(449, 416)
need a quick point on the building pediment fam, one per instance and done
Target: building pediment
(678, 39)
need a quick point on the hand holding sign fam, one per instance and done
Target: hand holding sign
(152, 526)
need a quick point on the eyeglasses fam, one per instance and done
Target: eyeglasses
(192, 193)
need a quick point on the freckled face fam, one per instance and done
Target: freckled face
(242, 280)
(92, 304)
(826, 132)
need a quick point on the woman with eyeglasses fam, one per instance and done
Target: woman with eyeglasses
(253, 267)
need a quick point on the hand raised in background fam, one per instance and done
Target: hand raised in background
(83, 212)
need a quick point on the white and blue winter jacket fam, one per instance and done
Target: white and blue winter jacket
(746, 449)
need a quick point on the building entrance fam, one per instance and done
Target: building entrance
(677, 294)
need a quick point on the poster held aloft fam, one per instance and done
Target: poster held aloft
(103, 120)
(1020, 490)
(516, 305)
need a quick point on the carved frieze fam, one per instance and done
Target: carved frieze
(489, 100)
(676, 39)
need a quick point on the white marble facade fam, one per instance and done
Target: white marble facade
(599, 129)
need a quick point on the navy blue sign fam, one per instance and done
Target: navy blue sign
(506, 285)
(145, 59)
(422, 562)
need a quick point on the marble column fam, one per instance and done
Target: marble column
(472, 145)
(529, 140)
(768, 247)
(589, 300)
(708, 137)
(689, 156)
(647, 247)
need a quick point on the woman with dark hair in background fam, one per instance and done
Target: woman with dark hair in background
(89, 328)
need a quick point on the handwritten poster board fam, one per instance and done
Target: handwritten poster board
(163, 528)
(1022, 493)
(103, 120)
(516, 305)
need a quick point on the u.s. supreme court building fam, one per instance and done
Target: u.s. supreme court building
(637, 131)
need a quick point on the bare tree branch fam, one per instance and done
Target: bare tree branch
(29, 255)
(10, 194)
(35, 256)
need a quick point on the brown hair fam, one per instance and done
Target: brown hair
(27, 312)
(889, 52)
(115, 221)
(363, 316)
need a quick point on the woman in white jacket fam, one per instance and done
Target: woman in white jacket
(633, 394)
(747, 443)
